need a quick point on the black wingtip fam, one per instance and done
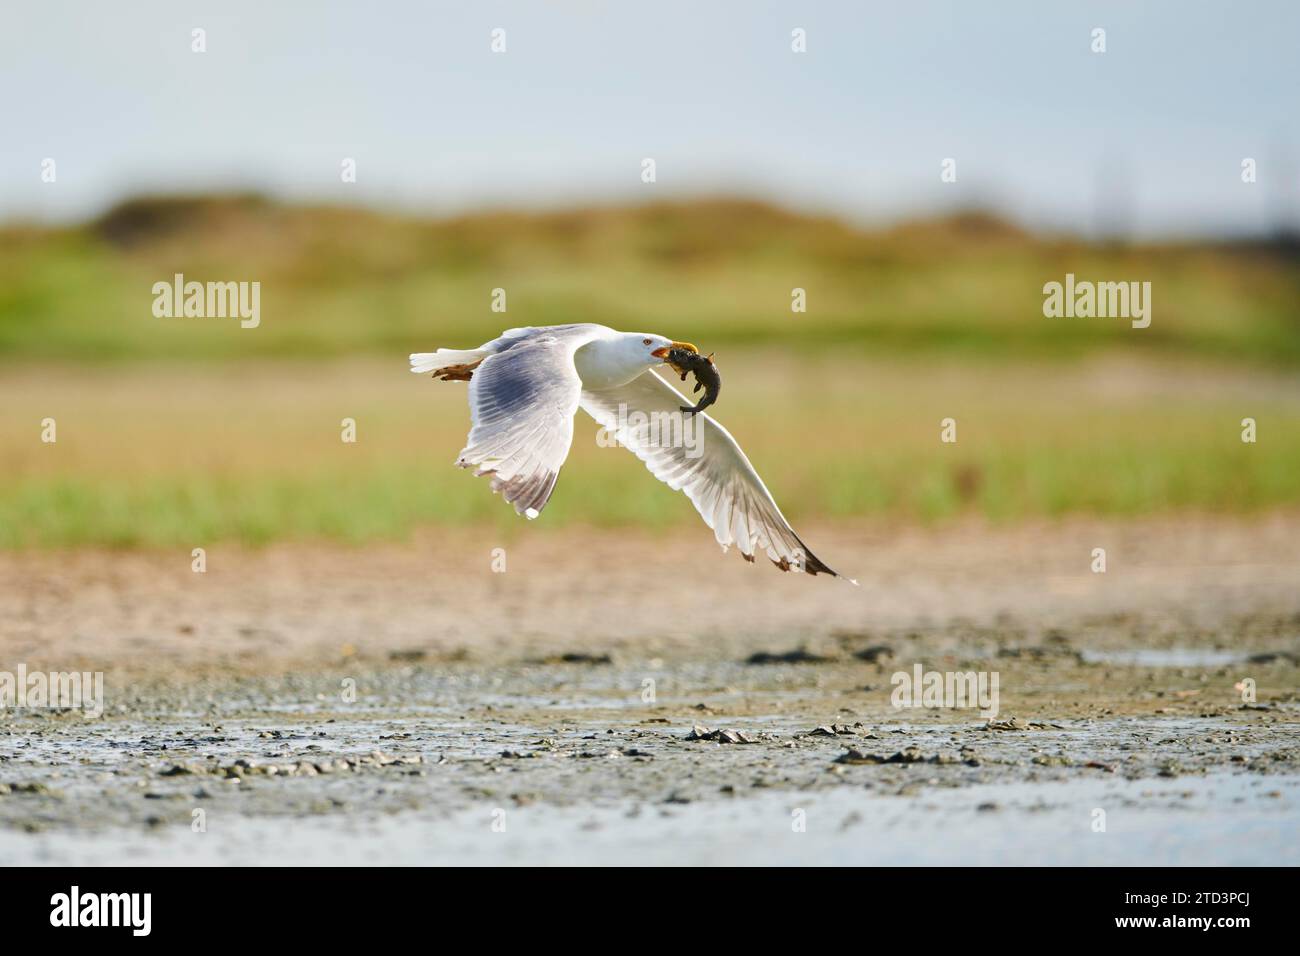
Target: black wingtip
(812, 565)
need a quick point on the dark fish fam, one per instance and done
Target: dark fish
(684, 362)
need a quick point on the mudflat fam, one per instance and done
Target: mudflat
(633, 697)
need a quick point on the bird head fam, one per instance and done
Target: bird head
(660, 347)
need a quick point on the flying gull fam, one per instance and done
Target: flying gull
(526, 386)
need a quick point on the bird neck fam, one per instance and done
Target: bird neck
(608, 363)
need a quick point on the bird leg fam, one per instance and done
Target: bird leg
(457, 373)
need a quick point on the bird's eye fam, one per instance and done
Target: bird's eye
(645, 341)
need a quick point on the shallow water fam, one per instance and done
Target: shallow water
(1164, 657)
(1219, 819)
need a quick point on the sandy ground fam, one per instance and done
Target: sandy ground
(408, 704)
(307, 607)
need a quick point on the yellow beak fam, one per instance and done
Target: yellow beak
(663, 352)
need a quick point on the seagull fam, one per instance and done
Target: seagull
(526, 386)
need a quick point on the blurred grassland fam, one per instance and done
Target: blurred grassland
(161, 455)
(182, 432)
(346, 282)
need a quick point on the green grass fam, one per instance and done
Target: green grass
(339, 282)
(167, 456)
(180, 432)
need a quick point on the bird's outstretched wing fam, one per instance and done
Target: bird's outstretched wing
(522, 402)
(712, 470)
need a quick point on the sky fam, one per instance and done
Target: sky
(1146, 139)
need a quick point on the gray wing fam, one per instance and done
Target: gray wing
(710, 468)
(512, 337)
(522, 401)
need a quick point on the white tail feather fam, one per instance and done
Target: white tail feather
(432, 361)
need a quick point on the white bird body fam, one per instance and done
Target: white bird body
(525, 387)
(614, 358)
